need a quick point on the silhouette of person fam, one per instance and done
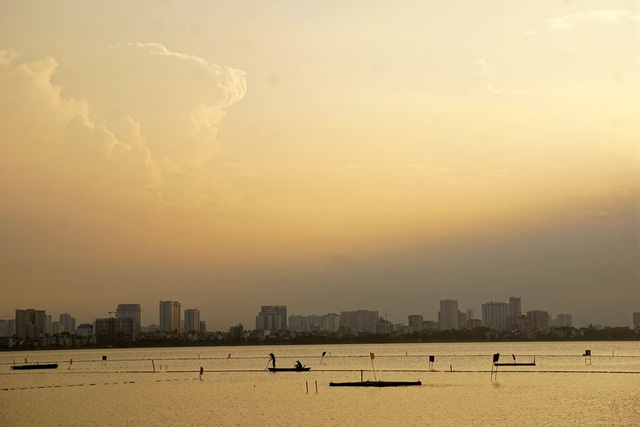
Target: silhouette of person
(273, 359)
(298, 365)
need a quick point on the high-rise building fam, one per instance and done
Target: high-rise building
(430, 325)
(314, 322)
(236, 332)
(331, 322)
(56, 328)
(85, 330)
(203, 327)
(170, 316)
(564, 320)
(7, 327)
(514, 311)
(114, 329)
(448, 315)
(192, 319)
(30, 323)
(295, 322)
(636, 321)
(272, 318)
(133, 312)
(360, 320)
(384, 327)
(68, 323)
(538, 319)
(416, 322)
(494, 315)
(462, 319)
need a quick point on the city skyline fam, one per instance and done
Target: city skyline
(322, 156)
(451, 315)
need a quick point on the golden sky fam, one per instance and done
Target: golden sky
(319, 155)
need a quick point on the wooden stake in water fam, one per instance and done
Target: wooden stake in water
(201, 372)
(70, 363)
(316, 386)
(373, 356)
(307, 384)
(154, 366)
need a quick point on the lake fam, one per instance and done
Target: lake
(562, 389)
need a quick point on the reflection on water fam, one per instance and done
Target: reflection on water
(237, 390)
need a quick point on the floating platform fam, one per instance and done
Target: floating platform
(376, 384)
(305, 369)
(36, 366)
(515, 364)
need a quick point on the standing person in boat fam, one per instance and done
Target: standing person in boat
(273, 359)
(298, 365)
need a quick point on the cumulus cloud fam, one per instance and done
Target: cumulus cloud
(113, 146)
(177, 99)
(55, 162)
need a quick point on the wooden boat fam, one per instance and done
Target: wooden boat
(304, 369)
(36, 366)
(376, 384)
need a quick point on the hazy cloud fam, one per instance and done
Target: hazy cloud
(56, 162)
(112, 144)
(177, 99)
(565, 56)
(570, 21)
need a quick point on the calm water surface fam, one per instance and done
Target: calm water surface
(560, 390)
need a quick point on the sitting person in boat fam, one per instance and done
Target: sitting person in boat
(298, 365)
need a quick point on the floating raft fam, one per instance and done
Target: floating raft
(289, 369)
(515, 364)
(376, 384)
(36, 366)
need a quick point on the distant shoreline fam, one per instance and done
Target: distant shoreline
(267, 343)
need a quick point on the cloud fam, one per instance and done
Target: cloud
(586, 54)
(114, 148)
(571, 21)
(405, 170)
(498, 173)
(177, 99)
(56, 163)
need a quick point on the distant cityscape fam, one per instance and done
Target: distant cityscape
(33, 328)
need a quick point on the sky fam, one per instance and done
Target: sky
(327, 156)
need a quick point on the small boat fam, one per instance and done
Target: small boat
(376, 384)
(303, 369)
(36, 366)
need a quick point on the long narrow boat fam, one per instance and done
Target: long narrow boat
(289, 369)
(376, 384)
(36, 366)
